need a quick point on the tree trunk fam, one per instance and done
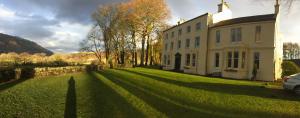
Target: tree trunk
(143, 50)
(151, 56)
(147, 50)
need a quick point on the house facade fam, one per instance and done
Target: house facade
(217, 44)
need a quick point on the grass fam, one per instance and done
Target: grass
(142, 92)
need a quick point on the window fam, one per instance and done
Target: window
(172, 45)
(197, 42)
(239, 34)
(166, 46)
(217, 58)
(257, 33)
(172, 34)
(194, 60)
(198, 26)
(165, 59)
(179, 32)
(188, 29)
(169, 61)
(179, 44)
(218, 36)
(256, 59)
(236, 34)
(187, 60)
(166, 36)
(229, 57)
(233, 35)
(187, 43)
(236, 59)
(243, 59)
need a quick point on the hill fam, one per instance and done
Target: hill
(19, 45)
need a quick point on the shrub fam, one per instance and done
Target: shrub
(289, 68)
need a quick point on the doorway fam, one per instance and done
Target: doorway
(177, 61)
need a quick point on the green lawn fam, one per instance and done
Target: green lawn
(144, 92)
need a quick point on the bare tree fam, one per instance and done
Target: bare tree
(94, 43)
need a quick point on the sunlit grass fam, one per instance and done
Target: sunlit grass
(144, 92)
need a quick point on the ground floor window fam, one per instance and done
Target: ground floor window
(194, 60)
(217, 58)
(169, 60)
(165, 59)
(187, 60)
(229, 58)
(236, 59)
(256, 59)
(243, 59)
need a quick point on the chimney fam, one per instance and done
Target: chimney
(277, 7)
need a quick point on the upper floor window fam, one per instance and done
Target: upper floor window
(187, 43)
(257, 33)
(197, 42)
(188, 59)
(166, 46)
(172, 45)
(173, 34)
(179, 44)
(236, 34)
(218, 36)
(188, 29)
(166, 36)
(256, 59)
(217, 60)
(179, 32)
(198, 26)
(194, 60)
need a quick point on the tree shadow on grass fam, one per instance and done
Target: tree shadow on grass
(105, 102)
(158, 102)
(4, 86)
(70, 106)
(175, 110)
(257, 91)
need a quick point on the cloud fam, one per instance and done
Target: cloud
(67, 37)
(69, 10)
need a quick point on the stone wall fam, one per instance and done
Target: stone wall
(25, 73)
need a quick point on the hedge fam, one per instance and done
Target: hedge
(289, 68)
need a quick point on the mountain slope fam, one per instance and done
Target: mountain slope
(19, 45)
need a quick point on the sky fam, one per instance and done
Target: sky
(60, 25)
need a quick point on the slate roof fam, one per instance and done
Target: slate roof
(268, 17)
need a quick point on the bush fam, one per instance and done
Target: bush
(289, 68)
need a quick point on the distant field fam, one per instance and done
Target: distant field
(144, 92)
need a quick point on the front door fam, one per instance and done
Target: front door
(177, 61)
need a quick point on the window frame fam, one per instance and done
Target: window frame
(258, 29)
(188, 59)
(194, 60)
(256, 59)
(229, 59)
(197, 42)
(178, 44)
(218, 37)
(198, 26)
(236, 57)
(188, 29)
(217, 60)
(187, 43)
